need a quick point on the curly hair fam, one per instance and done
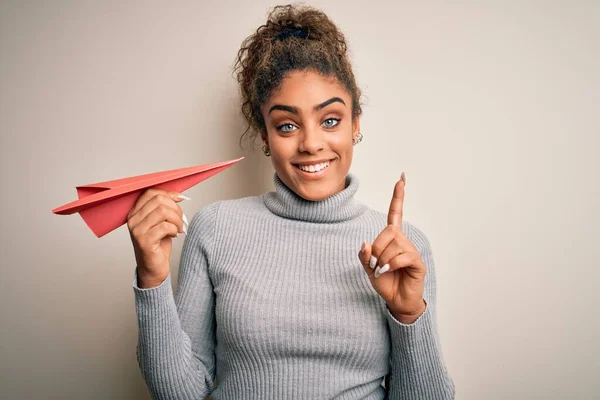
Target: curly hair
(295, 37)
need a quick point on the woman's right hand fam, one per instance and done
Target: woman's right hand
(153, 221)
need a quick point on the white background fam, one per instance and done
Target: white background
(490, 107)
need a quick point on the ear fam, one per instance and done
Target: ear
(355, 127)
(264, 137)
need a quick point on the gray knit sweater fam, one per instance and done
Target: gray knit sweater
(273, 303)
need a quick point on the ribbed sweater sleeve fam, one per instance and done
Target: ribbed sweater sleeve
(176, 344)
(417, 368)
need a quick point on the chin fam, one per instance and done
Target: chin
(314, 188)
(320, 192)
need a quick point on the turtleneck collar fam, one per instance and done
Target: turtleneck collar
(336, 208)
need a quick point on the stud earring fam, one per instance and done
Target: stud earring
(266, 150)
(358, 139)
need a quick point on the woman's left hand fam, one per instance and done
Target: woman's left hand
(394, 265)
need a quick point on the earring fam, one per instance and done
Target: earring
(358, 139)
(266, 150)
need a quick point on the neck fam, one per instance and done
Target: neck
(338, 207)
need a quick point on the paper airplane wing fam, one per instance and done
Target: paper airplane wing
(104, 206)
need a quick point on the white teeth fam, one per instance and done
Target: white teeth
(314, 168)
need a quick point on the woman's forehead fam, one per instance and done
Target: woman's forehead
(306, 89)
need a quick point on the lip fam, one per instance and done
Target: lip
(314, 175)
(323, 160)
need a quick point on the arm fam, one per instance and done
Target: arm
(417, 368)
(177, 333)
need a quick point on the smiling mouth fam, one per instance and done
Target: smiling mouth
(314, 168)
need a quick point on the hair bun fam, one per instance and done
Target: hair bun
(292, 31)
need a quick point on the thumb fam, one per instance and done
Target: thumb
(177, 197)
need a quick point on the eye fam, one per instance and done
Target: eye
(286, 127)
(330, 122)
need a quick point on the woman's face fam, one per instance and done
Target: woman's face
(310, 130)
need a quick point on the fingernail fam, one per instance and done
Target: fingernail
(183, 197)
(372, 262)
(403, 177)
(384, 269)
(185, 224)
(377, 272)
(363, 246)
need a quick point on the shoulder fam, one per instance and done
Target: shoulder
(210, 213)
(205, 216)
(417, 236)
(249, 203)
(213, 219)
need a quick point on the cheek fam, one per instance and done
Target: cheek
(281, 150)
(342, 142)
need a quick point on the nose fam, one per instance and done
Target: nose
(311, 141)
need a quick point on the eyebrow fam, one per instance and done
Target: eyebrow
(318, 107)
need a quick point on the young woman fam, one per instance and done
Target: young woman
(301, 293)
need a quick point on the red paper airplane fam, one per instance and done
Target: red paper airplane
(104, 206)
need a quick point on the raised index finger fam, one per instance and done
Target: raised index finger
(397, 204)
